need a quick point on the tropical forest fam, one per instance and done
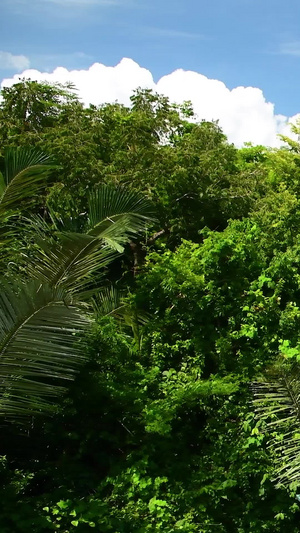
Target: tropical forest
(149, 320)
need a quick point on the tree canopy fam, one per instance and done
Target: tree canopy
(149, 320)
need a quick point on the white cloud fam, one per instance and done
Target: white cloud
(98, 84)
(13, 62)
(243, 112)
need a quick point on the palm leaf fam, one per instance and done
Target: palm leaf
(116, 214)
(74, 259)
(38, 325)
(107, 202)
(277, 402)
(26, 172)
(110, 301)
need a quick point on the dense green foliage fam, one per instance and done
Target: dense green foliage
(170, 260)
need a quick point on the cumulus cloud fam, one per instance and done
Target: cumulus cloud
(243, 112)
(13, 62)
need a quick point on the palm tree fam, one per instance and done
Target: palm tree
(46, 309)
(74, 258)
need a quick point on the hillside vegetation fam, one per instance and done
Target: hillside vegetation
(149, 320)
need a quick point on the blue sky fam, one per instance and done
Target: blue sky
(239, 42)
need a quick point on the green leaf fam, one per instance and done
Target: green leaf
(37, 352)
(25, 175)
(277, 402)
(63, 504)
(74, 260)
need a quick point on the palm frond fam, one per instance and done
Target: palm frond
(110, 301)
(20, 159)
(72, 262)
(38, 327)
(107, 201)
(74, 259)
(277, 402)
(115, 214)
(26, 172)
(2, 184)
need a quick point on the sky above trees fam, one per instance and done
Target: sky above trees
(243, 54)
